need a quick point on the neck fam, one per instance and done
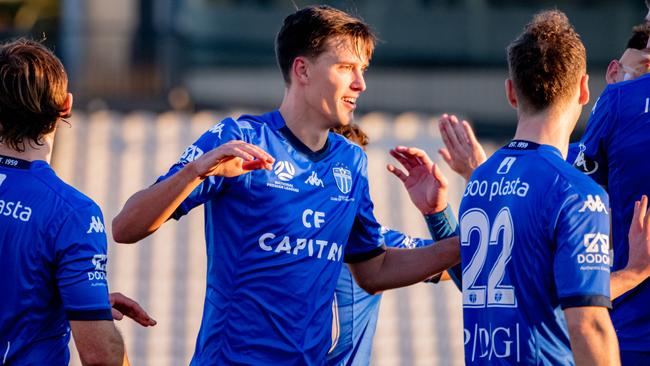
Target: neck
(31, 153)
(548, 127)
(303, 122)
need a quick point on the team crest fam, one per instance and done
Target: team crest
(343, 178)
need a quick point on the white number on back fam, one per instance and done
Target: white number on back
(494, 294)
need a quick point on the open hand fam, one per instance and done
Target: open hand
(463, 152)
(639, 239)
(232, 159)
(423, 180)
(124, 306)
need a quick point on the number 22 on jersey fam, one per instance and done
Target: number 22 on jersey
(489, 237)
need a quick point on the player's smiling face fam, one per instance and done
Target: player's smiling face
(336, 82)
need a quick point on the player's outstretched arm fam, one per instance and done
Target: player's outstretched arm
(399, 267)
(593, 340)
(98, 342)
(463, 152)
(148, 209)
(122, 306)
(638, 265)
(425, 183)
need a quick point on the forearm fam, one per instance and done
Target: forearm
(148, 209)
(593, 340)
(403, 267)
(623, 281)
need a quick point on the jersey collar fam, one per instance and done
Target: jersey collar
(9, 162)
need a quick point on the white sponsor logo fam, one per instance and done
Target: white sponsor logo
(2, 178)
(217, 129)
(192, 153)
(96, 225)
(301, 246)
(593, 204)
(493, 189)
(15, 210)
(311, 218)
(284, 170)
(596, 250)
(99, 274)
(99, 261)
(314, 180)
(506, 164)
(343, 178)
(586, 166)
(493, 342)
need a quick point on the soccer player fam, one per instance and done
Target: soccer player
(53, 245)
(286, 202)
(534, 247)
(355, 310)
(613, 151)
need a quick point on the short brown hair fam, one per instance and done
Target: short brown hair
(353, 133)
(33, 90)
(546, 61)
(639, 38)
(306, 32)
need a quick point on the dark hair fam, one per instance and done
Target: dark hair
(546, 61)
(33, 90)
(306, 32)
(639, 38)
(353, 133)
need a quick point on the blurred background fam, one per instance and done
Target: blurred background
(149, 76)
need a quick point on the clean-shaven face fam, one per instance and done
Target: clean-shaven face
(336, 82)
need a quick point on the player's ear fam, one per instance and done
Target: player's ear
(300, 70)
(510, 93)
(584, 90)
(67, 106)
(611, 76)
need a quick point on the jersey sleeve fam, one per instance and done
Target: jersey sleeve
(581, 265)
(219, 134)
(590, 156)
(366, 240)
(396, 239)
(80, 248)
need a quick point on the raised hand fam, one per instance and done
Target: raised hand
(124, 306)
(232, 159)
(639, 239)
(463, 152)
(424, 181)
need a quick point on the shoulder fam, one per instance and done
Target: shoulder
(344, 147)
(64, 192)
(570, 182)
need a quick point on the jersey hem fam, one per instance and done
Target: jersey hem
(585, 300)
(102, 314)
(361, 257)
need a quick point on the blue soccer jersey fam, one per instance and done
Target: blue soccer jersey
(532, 244)
(276, 241)
(614, 152)
(356, 311)
(52, 263)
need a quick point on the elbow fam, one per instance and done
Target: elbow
(106, 357)
(369, 286)
(120, 231)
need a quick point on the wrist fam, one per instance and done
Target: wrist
(193, 171)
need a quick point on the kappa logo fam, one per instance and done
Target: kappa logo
(593, 204)
(2, 178)
(506, 164)
(314, 180)
(583, 164)
(284, 170)
(192, 153)
(217, 129)
(96, 225)
(343, 178)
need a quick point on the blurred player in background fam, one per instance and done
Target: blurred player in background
(286, 202)
(614, 151)
(52, 240)
(355, 310)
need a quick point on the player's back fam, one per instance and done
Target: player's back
(34, 203)
(529, 249)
